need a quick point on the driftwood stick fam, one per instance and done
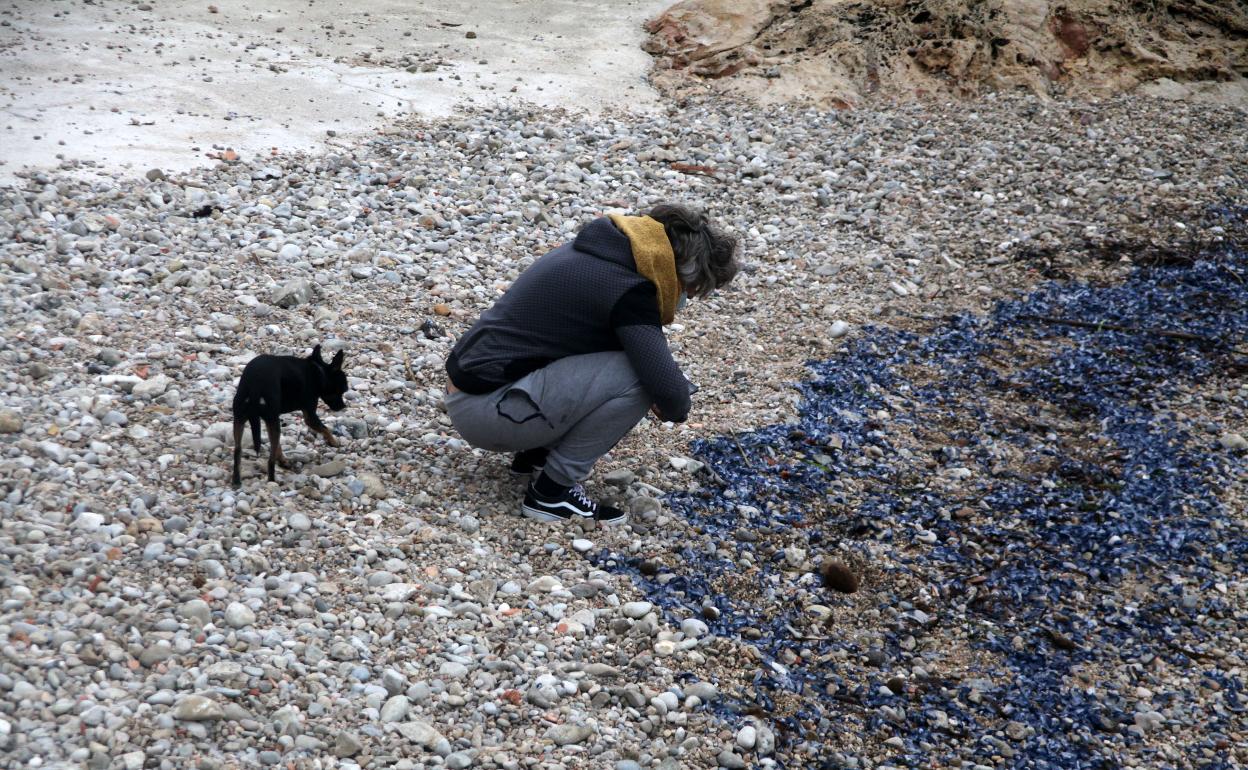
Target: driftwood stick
(1099, 326)
(690, 168)
(740, 449)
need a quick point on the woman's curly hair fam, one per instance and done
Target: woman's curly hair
(706, 258)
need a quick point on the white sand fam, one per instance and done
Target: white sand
(131, 89)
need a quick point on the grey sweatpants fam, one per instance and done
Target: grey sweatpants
(578, 407)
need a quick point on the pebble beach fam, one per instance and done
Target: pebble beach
(382, 605)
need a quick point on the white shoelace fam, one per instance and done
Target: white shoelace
(578, 493)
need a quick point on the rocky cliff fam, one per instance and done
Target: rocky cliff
(840, 52)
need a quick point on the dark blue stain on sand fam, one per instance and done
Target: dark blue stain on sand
(1081, 482)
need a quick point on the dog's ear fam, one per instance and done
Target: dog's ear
(336, 364)
(316, 354)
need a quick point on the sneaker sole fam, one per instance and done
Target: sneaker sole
(538, 514)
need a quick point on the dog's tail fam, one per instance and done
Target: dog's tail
(255, 431)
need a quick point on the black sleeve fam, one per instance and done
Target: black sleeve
(635, 319)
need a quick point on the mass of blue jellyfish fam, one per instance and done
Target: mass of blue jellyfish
(1051, 475)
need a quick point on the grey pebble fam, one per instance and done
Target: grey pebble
(197, 708)
(566, 734)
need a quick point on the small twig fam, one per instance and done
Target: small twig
(1101, 326)
(689, 168)
(849, 700)
(740, 449)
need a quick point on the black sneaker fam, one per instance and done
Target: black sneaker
(530, 462)
(569, 505)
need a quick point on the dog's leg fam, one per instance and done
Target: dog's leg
(255, 433)
(277, 445)
(275, 449)
(237, 479)
(314, 422)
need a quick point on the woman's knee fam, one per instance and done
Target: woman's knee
(467, 419)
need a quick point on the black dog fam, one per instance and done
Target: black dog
(273, 385)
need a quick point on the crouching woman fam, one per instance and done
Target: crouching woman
(573, 355)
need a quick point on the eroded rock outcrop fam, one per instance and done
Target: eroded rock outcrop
(838, 52)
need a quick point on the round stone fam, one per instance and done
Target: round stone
(239, 615)
(636, 610)
(198, 708)
(747, 736)
(693, 628)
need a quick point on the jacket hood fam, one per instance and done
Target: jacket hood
(602, 239)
